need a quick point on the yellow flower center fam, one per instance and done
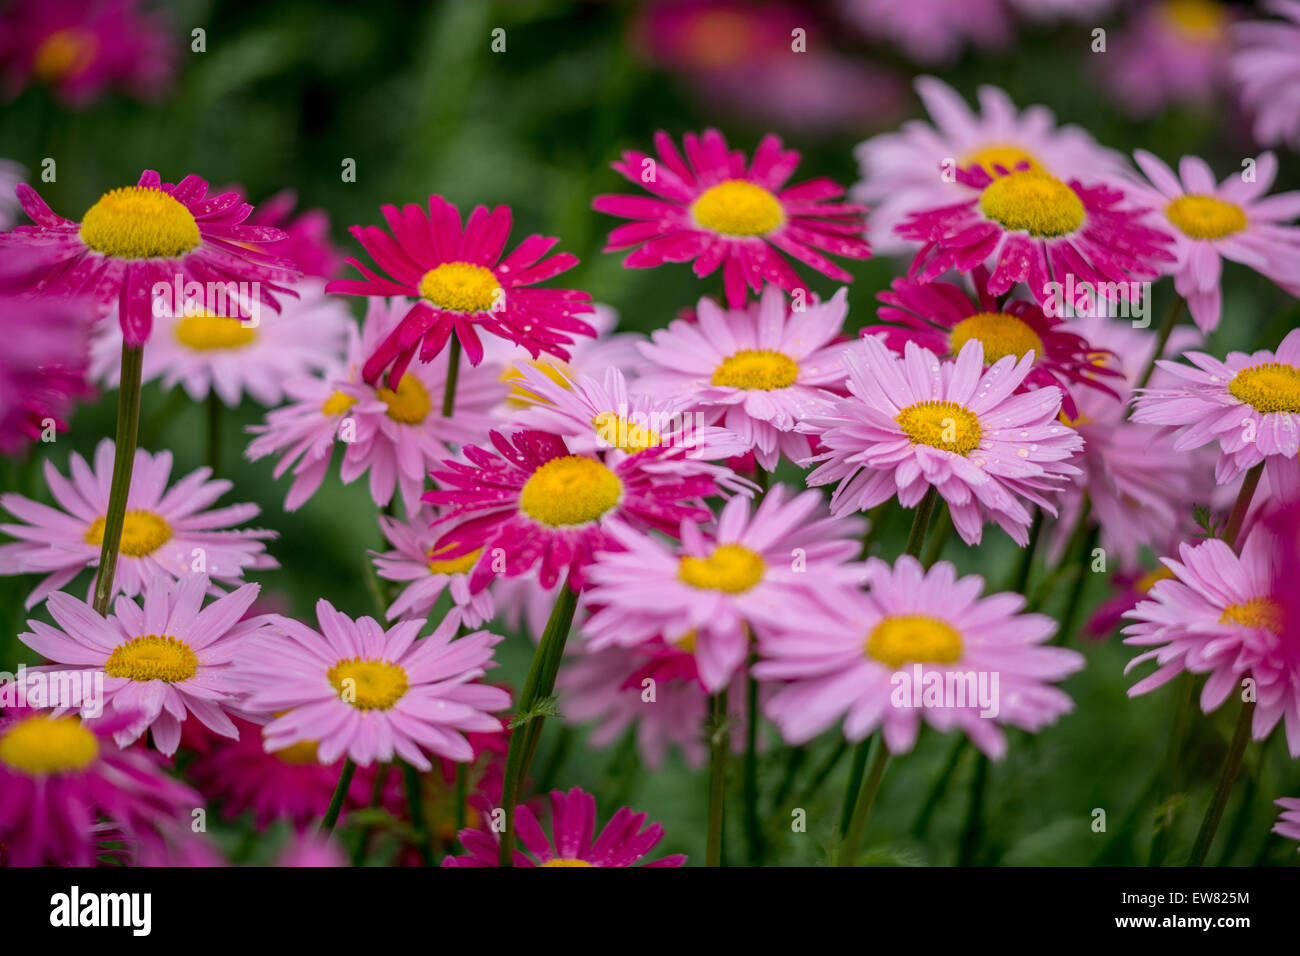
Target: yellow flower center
(1001, 335)
(913, 638)
(1271, 387)
(301, 754)
(64, 53)
(368, 685)
(204, 332)
(558, 371)
(1148, 581)
(757, 370)
(1204, 217)
(569, 491)
(1197, 19)
(559, 862)
(1033, 202)
(139, 222)
(944, 425)
(153, 657)
(143, 533)
(340, 402)
(461, 287)
(1006, 155)
(409, 404)
(42, 745)
(731, 568)
(687, 641)
(738, 208)
(1258, 612)
(451, 565)
(616, 431)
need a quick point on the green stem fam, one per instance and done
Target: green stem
(753, 825)
(462, 795)
(453, 374)
(922, 824)
(415, 802)
(921, 522)
(1242, 505)
(1231, 765)
(866, 797)
(939, 537)
(1020, 578)
(128, 427)
(1075, 601)
(340, 793)
(975, 813)
(719, 745)
(214, 432)
(376, 798)
(1172, 315)
(857, 770)
(527, 724)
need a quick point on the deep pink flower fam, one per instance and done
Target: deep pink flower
(1266, 66)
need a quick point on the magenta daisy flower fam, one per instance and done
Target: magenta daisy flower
(371, 694)
(913, 422)
(942, 317)
(166, 530)
(715, 210)
(306, 241)
(1266, 67)
(878, 660)
(1038, 230)
(1220, 615)
(1235, 220)
(207, 353)
(151, 235)
(60, 779)
(415, 560)
(1288, 822)
(531, 501)
(622, 842)
(754, 574)
(161, 663)
(460, 283)
(1249, 404)
(758, 371)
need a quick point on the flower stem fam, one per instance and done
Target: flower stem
(527, 724)
(1167, 324)
(975, 813)
(921, 522)
(862, 810)
(411, 778)
(1231, 765)
(753, 826)
(128, 426)
(462, 795)
(922, 824)
(214, 433)
(340, 793)
(453, 373)
(719, 744)
(1242, 505)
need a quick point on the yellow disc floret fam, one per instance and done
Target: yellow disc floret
(43, 745)
(731, 568)
(461, 287)
(153, 657)
(913, 639)
(1033, 202)
(757, 370)
(1271, 387)
(1260, 612)
(459, 565)
(410, 404)
(1204, 217)
(1001, 335)
(944, 425)
(571, 490)
(205, 332)
(738, 208)
(368, 685)
(139, 222)
(1006, 155)
(143, 533)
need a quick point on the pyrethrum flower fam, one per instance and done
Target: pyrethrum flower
(166, 530)
(1249, 404)
(368, 693)
(715, 210)
(877, 659)
(461, 283)
(205, 352)
(161, 663)
(942, 317)
(532, 502)
(152, 233)
(622, 842)
(61, 777)
(1266, 67)
(758, 372)
(912, 422)
(753, 574)
(415, 560)
(933, 31)
(1036, 229)
(1170, 52)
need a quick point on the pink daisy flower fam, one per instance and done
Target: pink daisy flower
(942, 317)
(900, 169)
(460, 282)
(1233, 220)
(1220, 615)
(153, 234)
(160, 663)
(1249, 404)
(532, 502)
(1128, 587)
(624, 841)
(753, 574)
(1038, 230)
(932, 31)
(167, 531)
(913, 422)
(1266, 68)
(716, 210)
(416, 561)
(757, 371)
(1288, 822)
(871, 660)
(306, 241)
(60, 778)
(1171, 51)
(82, 47)
(205, 353)
(372, 694)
